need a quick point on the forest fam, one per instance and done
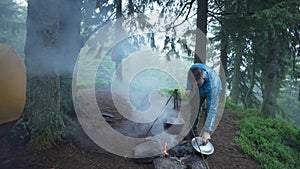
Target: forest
(88, 52)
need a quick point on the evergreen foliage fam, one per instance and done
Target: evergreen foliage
(261, 46)
(272, 142)
(12, 20)
(260, 40)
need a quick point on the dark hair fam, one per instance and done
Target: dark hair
(195, 74)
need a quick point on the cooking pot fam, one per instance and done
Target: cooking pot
(173, 125)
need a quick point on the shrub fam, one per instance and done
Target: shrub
(231, 107)
(272, 142)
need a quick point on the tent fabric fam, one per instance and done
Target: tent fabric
(12, 84)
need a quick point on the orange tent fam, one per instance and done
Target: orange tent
(12, 84)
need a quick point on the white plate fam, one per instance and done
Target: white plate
(206, 149)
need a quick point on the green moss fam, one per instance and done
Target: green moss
(46, 129)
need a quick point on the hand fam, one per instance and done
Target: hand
(205, 137)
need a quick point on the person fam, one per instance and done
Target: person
(209, 85)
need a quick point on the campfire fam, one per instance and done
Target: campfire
(180, 151)
(181, 155)
(166, 149)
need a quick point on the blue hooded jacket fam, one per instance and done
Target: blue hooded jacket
(210, 89)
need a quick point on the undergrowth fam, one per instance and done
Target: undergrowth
(45, 130)
(274, 143)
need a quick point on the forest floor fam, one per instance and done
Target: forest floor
(82, 153)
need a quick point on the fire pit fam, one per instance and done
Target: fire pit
(180, 157)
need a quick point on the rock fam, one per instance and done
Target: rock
(168, 163)
(188, 162)
(149, 148)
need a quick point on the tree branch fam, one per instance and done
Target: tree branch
(185, 5)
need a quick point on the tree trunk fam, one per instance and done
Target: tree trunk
(223, 67)
(252, 82)
(235, 91)
(200, 48)
(119, 31)
(223, 54)
(270, 74)
(130, 7)
(69, 43)
(118, 4)
(42, 57)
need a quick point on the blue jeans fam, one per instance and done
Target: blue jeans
(195, 127)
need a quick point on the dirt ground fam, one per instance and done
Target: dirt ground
(81, 152)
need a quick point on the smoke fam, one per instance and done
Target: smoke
(137, 84)
(53, 37)
(147, 82)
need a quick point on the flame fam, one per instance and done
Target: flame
(165, 149)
